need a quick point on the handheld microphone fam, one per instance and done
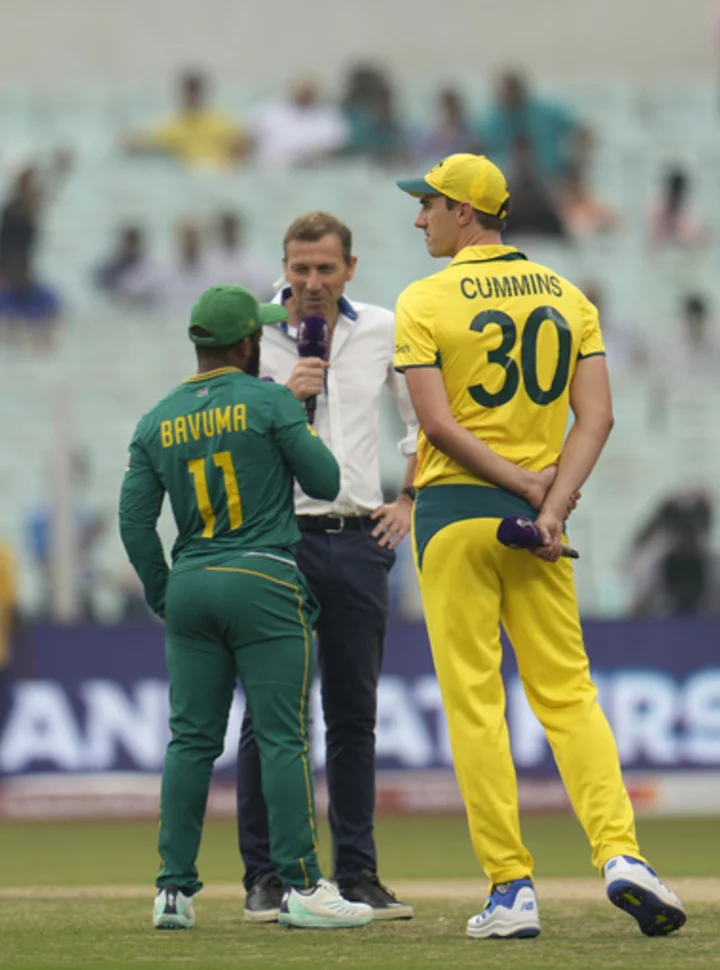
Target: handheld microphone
(517, 532)
(313, 340)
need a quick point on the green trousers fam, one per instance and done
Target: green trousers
(250, 618)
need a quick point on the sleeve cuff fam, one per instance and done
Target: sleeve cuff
(401, 368)
(408, 445)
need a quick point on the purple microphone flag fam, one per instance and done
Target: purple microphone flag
(313, 337)
(518, 532)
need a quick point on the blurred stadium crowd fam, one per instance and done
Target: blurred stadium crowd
(120, 209)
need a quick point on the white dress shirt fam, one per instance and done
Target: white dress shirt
(348, 412)
(288, 134)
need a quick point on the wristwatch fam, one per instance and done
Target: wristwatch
(410, 492)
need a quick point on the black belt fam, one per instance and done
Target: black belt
(334, 524)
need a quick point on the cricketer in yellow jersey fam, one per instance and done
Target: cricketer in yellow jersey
(496, 350)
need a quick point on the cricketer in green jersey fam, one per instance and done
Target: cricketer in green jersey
(226, 448)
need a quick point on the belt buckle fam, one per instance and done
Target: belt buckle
(341, 520)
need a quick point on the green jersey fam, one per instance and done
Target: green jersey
(226, 448)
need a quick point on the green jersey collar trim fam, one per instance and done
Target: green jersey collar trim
(488, 254)
(209, 374)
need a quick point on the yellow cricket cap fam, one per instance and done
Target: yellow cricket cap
(465, 178)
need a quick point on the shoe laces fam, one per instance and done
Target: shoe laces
(329, 887)
(373, 878)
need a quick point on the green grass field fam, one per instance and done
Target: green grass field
(80, 896)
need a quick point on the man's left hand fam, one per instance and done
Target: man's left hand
(393, 522)
(550, 525)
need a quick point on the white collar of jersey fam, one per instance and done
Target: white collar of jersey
(345, 307)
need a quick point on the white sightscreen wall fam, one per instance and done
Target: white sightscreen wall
(142, 40)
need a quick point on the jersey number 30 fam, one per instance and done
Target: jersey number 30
(223, 461)
(528, 357)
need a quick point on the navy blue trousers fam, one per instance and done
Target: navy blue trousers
(348, 573)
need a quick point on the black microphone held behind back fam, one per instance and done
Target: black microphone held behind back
(313, 340)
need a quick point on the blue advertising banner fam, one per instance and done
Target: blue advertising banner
(98, 701)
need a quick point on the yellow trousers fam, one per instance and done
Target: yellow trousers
(470, 583)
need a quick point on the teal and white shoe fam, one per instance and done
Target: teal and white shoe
(322, 908)
(173, 910)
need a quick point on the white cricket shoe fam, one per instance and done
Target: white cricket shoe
(511, 912)
(633, 886)
(322, 908)
(173, 910)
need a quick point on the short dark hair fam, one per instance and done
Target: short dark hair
(220, 356)
(198, 331)
(314, 226)
(494, 223)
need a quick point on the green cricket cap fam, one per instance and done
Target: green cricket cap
(230, 313)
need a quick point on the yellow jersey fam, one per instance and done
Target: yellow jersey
(506, 334)
(197, 138)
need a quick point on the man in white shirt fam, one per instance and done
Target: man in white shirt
(345, 552)
(301, 130)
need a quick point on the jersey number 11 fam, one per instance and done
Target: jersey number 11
(223, 461)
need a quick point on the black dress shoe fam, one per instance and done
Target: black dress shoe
(384, 902)
(262, 903)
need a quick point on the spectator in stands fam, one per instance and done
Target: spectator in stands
(698, 339)
(556, 137)
(533, 211)
(197, 135)
(685, 362)
(627, 352)
(673, 568)
(129, 275)
(451, 132)
(302, 130)
(232, 261)
(189, 274)
(369, 106)
(693, 353)
(672, 221)
(19, 219)
(28, 309)
(582, 214)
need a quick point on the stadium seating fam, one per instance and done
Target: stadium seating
(109, 365)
